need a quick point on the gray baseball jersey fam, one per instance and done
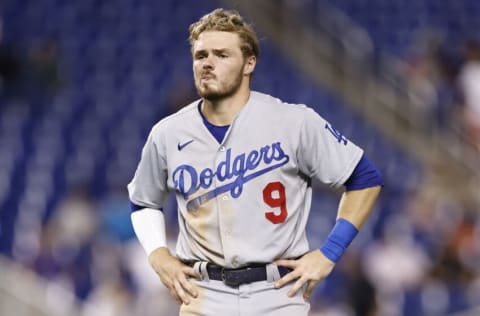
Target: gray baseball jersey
(246, 200)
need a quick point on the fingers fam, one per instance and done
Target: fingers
(184, 297)
(287, 278)
(308, 292)
(292, 264)
(300, 282)
(192, 272)
(173, 292)
(181, 286)
(187, 285)
(183, 291)
(308, 271)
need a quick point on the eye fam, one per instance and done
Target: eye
(200, 56)
(221, 53)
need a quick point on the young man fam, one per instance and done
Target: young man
(242, 183)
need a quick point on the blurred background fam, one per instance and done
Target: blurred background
(82, 83)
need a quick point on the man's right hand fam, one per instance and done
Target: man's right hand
(174, 275)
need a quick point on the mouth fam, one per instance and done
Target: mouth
(207, 76)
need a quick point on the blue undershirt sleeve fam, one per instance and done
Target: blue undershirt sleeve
(135, 207)
(365, 175)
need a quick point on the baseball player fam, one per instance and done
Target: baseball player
(241, 163)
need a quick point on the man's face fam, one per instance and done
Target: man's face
(219, 67)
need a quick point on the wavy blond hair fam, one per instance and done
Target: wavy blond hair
(227, 21)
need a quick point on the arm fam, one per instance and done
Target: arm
(149, 226)
(362, 189)
(352, 215)
(313, 267)
(355, 206)
(174, 275)
(149, 189)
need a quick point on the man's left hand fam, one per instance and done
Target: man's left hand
(311, 268)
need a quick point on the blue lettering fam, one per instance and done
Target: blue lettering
(179, 179)
(239, 165)
(206, 178)
(187, 180)
(277, 152)
(237, 187)
(336, 133)
(253, 160)
(264, 154)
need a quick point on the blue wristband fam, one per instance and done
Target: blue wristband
(338, 240)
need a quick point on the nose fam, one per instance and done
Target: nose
(207, 63)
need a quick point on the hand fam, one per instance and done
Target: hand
(174, 275)
(311, 268)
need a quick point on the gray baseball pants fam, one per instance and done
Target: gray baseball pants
(253, 299)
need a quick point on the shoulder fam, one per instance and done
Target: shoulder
(265, 102)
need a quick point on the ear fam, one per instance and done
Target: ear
(249, 66)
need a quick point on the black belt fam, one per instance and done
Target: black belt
(236, 277)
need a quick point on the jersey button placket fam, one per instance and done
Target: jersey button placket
(224, 211)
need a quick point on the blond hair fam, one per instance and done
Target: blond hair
(227, 21)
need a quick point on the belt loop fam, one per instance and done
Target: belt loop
(196, 268)
(203, 270)
(273, 274)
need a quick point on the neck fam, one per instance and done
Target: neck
(223, 111)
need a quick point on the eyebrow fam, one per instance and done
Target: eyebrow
(221, 50)
(215, 51)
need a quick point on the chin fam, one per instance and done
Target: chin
(217, 94)
(211, 94)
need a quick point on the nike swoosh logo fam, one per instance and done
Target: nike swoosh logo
(181, 146)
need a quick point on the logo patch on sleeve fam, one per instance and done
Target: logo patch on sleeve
(336, 133)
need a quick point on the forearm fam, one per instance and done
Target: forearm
(355, 206)
(149, 226)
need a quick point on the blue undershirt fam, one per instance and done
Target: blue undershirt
(365, 175)
(217, 131)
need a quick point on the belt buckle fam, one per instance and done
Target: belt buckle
(232, 282)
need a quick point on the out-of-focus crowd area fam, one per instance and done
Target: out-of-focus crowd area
(82, 83)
